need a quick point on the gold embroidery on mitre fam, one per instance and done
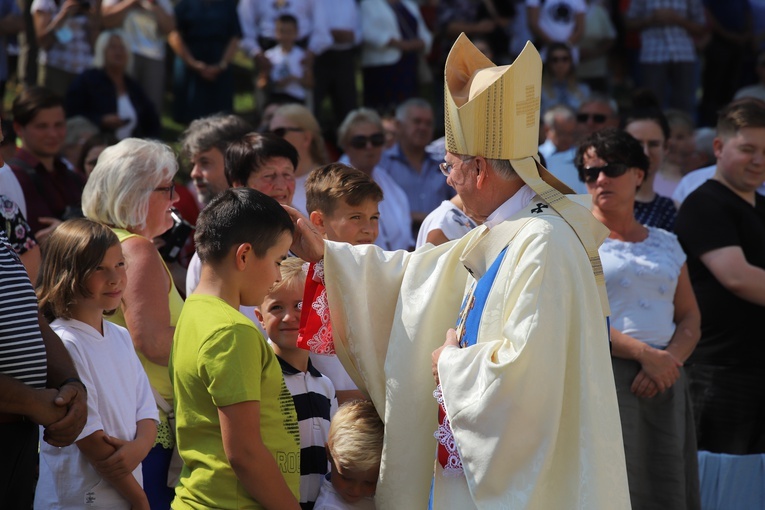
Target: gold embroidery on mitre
(491, 111)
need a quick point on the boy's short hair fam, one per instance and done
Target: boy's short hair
(287, 18)
(31, 100)
(247, 154)
(747, 112)
(293, 273)
(237, 216)
(356, 436)
(329, 184)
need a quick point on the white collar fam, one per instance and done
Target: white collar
(513, 204)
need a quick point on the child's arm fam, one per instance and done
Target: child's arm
(95, 448)
(126, 455)
(253, 464)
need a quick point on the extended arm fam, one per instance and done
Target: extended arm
(253, 464)
(730, 267)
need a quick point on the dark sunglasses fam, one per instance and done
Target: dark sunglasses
(597, 118)
(280, 132)
(610, 170)
(361, 141)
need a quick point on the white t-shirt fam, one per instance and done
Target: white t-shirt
(329, 499)
(10, 187)
(557, 18)
(140, 26)
(284, 65)
(447, 218)
(119, 396)
(125, 110)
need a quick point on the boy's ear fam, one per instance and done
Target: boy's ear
(243, 252)
(317, 218)
(259, 315)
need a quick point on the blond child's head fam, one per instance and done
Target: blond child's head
(354, 449)
(343, 203)
(279, 314)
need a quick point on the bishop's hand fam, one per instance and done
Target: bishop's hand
(307, 242)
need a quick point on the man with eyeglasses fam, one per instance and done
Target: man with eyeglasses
(362, 137)
(595, 113)
(528, 416)
(413, 168)
(52, 192)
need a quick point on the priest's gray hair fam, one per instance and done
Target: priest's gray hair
(503, 168)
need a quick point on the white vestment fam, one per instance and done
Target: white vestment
(532, 405)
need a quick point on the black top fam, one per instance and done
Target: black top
(714, 217)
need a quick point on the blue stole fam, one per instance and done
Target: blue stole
(473, 304)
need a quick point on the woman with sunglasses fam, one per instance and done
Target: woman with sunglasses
(296, 124)
(559, 82)
(654, 326)
(131, 190)
(649, 126)
(362, 137)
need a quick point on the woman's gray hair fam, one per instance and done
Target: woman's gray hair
(357, 116)
(100, 48)
(117, 192)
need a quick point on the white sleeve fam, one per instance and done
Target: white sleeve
(93, 423)
(248, 23)
(193, 274)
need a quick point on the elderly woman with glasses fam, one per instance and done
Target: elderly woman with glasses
(131, 190)
(362, 137)
(296, 124)
(655, 325)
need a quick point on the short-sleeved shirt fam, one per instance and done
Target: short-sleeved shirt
(71, 50)
(22, 351)
(219, 358)
(641, 279)
(714, 217)
(119, 396)
(557, 18)
(666, 43)
(16, 228)
(142, 31)
(425, 189)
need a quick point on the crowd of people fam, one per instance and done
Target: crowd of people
(308, 310)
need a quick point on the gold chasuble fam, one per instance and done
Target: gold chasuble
(532, 404)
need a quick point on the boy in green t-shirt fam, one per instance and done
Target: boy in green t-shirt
(236, 427)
